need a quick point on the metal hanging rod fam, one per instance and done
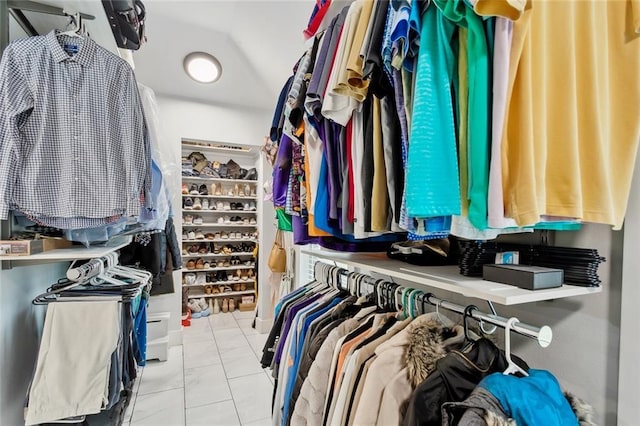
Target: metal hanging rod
(338, 277)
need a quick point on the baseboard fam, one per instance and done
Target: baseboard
(263, 325)
(175, 337)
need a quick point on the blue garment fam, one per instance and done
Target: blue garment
(533, 400)
(296, 355)
(433, 186)
(140, 332)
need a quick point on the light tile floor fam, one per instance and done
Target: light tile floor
(214, 378)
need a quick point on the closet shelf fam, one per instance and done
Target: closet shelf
(220, 268)
(201, 179)
(219, 211)
(195, 256)
(219, 225)
(227, 294)
(72, 253)
(220, 283)
(448, 278)
(221, 148)
(224, 197)
(222, 240)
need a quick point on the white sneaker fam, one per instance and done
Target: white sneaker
(227, 206)
(191, 235)
(227, 219)
(246, 206)
(252, 221)
(197, 204)
(205, 204)
(187, 219)
(247, 190)
(190, 278)
(252, 206)
(197, 220)
(201, 278)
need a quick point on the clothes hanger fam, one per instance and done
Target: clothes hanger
(76, 31)
(512, 367)
(468, 312)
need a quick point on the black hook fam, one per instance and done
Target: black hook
(468, 311)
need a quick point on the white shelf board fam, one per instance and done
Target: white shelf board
(210, 179)
(225, 197)
(227, 294)
(220, 268)
(195, 256)
(219, 225)
(69, 254)
(221, 283)
(221, 240)
(448, 278)
(209, 146)
(219, 211)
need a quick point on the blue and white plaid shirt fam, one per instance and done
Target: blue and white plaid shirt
(74, 146)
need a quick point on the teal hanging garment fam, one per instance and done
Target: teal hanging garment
(432, 185)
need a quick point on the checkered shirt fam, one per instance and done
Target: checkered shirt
(73, 139)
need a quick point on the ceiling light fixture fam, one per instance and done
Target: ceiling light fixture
(202, 67)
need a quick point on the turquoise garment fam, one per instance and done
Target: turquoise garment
(533, 400)
(478, 123)
(432, 183)
(558, 226)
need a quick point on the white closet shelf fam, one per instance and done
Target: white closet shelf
(221, 240)
(225, 197)
(195, 256)
(219, 211)
(448, 278)
(219, 225)
(201, 179)
(70, 254)
(220, 148)
(220, 268)
(252, 281)
(227, 294)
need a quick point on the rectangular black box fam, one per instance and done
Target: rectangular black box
(524, 276)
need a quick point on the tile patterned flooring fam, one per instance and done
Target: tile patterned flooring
(214, 378)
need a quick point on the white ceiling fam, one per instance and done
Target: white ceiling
(257, 42)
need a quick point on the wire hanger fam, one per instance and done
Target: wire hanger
(468, 312)
(512, 367)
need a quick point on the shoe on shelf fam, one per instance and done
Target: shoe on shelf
(224, 235)
(193, 189)
(230, 192)
(208, 289)
(227, 206)
(227, 219)
(205, 204)
(218, 235)
(220, 220)
(245, 221)
(220, 263)
(216, 305)
(246, 207)
(185, 189)
(199, 235)
(252, 206)
(187, 204)
(207, 265)
(209, 236)
(197, 204)
(199, 264)
(190, 277)
(201, 278)
(219, 205)
(194, 306)
(247, 190)
(191, 235)
(252, 221)
(197, 220)
(225, 305)
(202, 190)
(185, 252)
(187, 219)
(232, 305)
(243, 286)
(191, 264)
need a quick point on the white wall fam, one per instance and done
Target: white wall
(185, 119)
(21, 330)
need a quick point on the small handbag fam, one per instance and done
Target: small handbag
(278, 255)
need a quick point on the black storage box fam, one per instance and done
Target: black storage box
(524, 276)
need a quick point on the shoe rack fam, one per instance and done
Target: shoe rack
(219, 230)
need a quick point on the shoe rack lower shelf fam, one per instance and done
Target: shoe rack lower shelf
(221, 240)
(220, 283)
(227, 294)
(197, 255)
(220, 268)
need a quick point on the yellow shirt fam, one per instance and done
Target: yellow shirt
(573, 114)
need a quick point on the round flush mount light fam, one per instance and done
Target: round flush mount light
(202, 67)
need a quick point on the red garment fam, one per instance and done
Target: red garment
(314, 24)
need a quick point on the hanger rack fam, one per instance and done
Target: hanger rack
(344, 280)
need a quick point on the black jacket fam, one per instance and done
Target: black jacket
(455, 377)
